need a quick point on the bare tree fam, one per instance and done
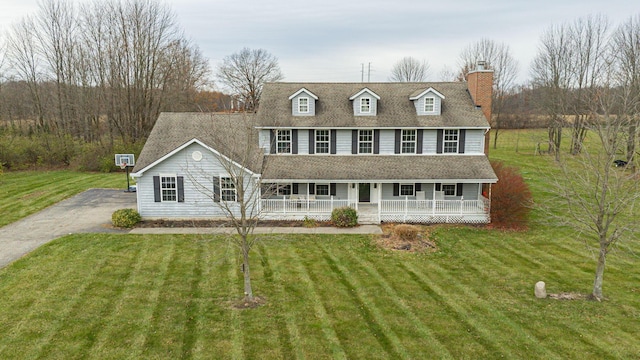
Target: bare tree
(599, 198)
(625, 48)
(246, 71)
(238, 192)
(567, 70)
(409, 69)
(505, 70)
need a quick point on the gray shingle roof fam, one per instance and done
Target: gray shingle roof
(378, 167)
(226, 133)
(333, 108)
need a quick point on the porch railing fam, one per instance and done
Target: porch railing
(435, 207)
(301, 205)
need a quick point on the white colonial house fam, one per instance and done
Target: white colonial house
(396, 152)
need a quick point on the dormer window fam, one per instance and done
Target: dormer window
(365, 105)
(429, 103)
(303, 105)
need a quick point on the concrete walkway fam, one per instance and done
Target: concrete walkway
(87, 212)
(362, 229)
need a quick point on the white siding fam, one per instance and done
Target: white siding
(429, 141)
(470, 191)
(387, 141)
(264, 140)
(197, 203)
(343, 142)
(474, 142)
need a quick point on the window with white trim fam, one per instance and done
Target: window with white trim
(322, 189)
(169, 188)
(365, 141)
(449, 189)
(303, 105)
(284, 189)
(450, 141)
(283, 141)
(408, 142)
(227, 189)
(406, 189)
(365, 105)
(429, 104)
(322, 141)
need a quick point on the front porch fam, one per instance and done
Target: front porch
(401, 210)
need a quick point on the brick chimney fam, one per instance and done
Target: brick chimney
(480, 85)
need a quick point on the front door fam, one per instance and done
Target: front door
(364, 192)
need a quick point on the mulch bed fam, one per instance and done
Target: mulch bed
(221, 223)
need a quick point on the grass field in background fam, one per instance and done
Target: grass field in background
(23, 193)
(104, 296)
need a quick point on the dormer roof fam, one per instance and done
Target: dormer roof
(303, 90)
(365, 90)
(420, 93)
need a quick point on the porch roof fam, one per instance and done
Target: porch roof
(377, 167)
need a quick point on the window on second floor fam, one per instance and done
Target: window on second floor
(408, 142)
(450, 141)
(429, 104)
(283, 142)
(365, 105)
(365, 141)
(322, 141)
(303, 105)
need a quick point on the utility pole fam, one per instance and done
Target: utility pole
(369, 73)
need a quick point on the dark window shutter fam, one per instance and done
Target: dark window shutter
(354, 141)
(156, 189)
(438, 187)
(312, 141)
(216, 189)
(398, 137)
(312, 189)
(180, 188)
(334, 136)
(418, 187)
(459, 189)
(294, 141)
(462, 134)
(439, 140)
(419, 137)
(332, 189)
(376, 141)
(294, 188)
(396, 189)
(272, 139)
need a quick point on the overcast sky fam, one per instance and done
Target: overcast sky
(330, 40)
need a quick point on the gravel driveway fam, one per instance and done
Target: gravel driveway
(88, 212)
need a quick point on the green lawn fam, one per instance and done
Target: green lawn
(126, 296)
(25, 192)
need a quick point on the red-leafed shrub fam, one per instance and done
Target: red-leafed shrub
(510, 198)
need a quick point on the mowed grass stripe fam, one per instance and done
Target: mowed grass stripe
(288, 334)
(87, 318)
(464, 308)
(376, 322)
(302, 271)
(48, 315)
(386, 292)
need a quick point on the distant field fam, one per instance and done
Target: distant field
(23, 193)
